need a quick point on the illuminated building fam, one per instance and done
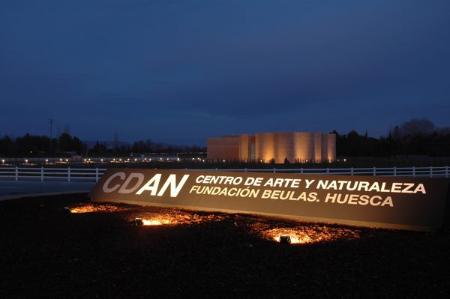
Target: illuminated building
(299, 147)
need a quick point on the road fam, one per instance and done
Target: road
(12, 189)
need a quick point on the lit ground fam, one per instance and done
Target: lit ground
(47, 251)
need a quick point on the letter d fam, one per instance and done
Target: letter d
(125, 189)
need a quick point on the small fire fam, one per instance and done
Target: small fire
(305, 234)
(91, 208)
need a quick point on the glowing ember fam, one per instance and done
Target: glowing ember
(305, 234)
(156, 221)
(175, 218)
(91, 208)
(295, 236)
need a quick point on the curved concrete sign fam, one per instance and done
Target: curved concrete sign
(387, 202)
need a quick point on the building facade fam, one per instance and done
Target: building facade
(299, 147)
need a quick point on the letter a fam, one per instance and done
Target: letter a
(152, 185)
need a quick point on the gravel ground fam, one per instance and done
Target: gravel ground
(47, 252)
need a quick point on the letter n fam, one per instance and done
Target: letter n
(172, 183)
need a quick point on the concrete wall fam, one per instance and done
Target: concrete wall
(224, 148)
(245, 147)
(317, 147)
(264, 147)
(284, 147)
(331, 150)
(324, 154)
(304, 147)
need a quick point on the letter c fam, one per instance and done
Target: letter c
(200, 179)
(375, 203)
(106, 187)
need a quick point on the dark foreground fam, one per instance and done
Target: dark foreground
(47, 252)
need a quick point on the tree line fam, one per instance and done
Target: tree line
(142, 147)
(414, 137)
(37, 146)
(417, 137)
(67, 145)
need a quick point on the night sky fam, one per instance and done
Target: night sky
(180, 71)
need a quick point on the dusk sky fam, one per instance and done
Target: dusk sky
(180, 71)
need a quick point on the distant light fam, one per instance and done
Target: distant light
(193, 159)
(224, 161)
(135, 159)
(3, 161)
(67, 160)
(345, 160)
(46, 160)
(101, 160)
(26, 160)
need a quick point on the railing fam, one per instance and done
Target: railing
(94, 174)
(67, 174)
(428, 171)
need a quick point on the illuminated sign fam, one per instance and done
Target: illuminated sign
(386, 202)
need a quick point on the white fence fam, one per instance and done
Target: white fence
(67, 174)
(94, 174)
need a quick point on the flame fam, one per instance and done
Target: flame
(91, 208)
